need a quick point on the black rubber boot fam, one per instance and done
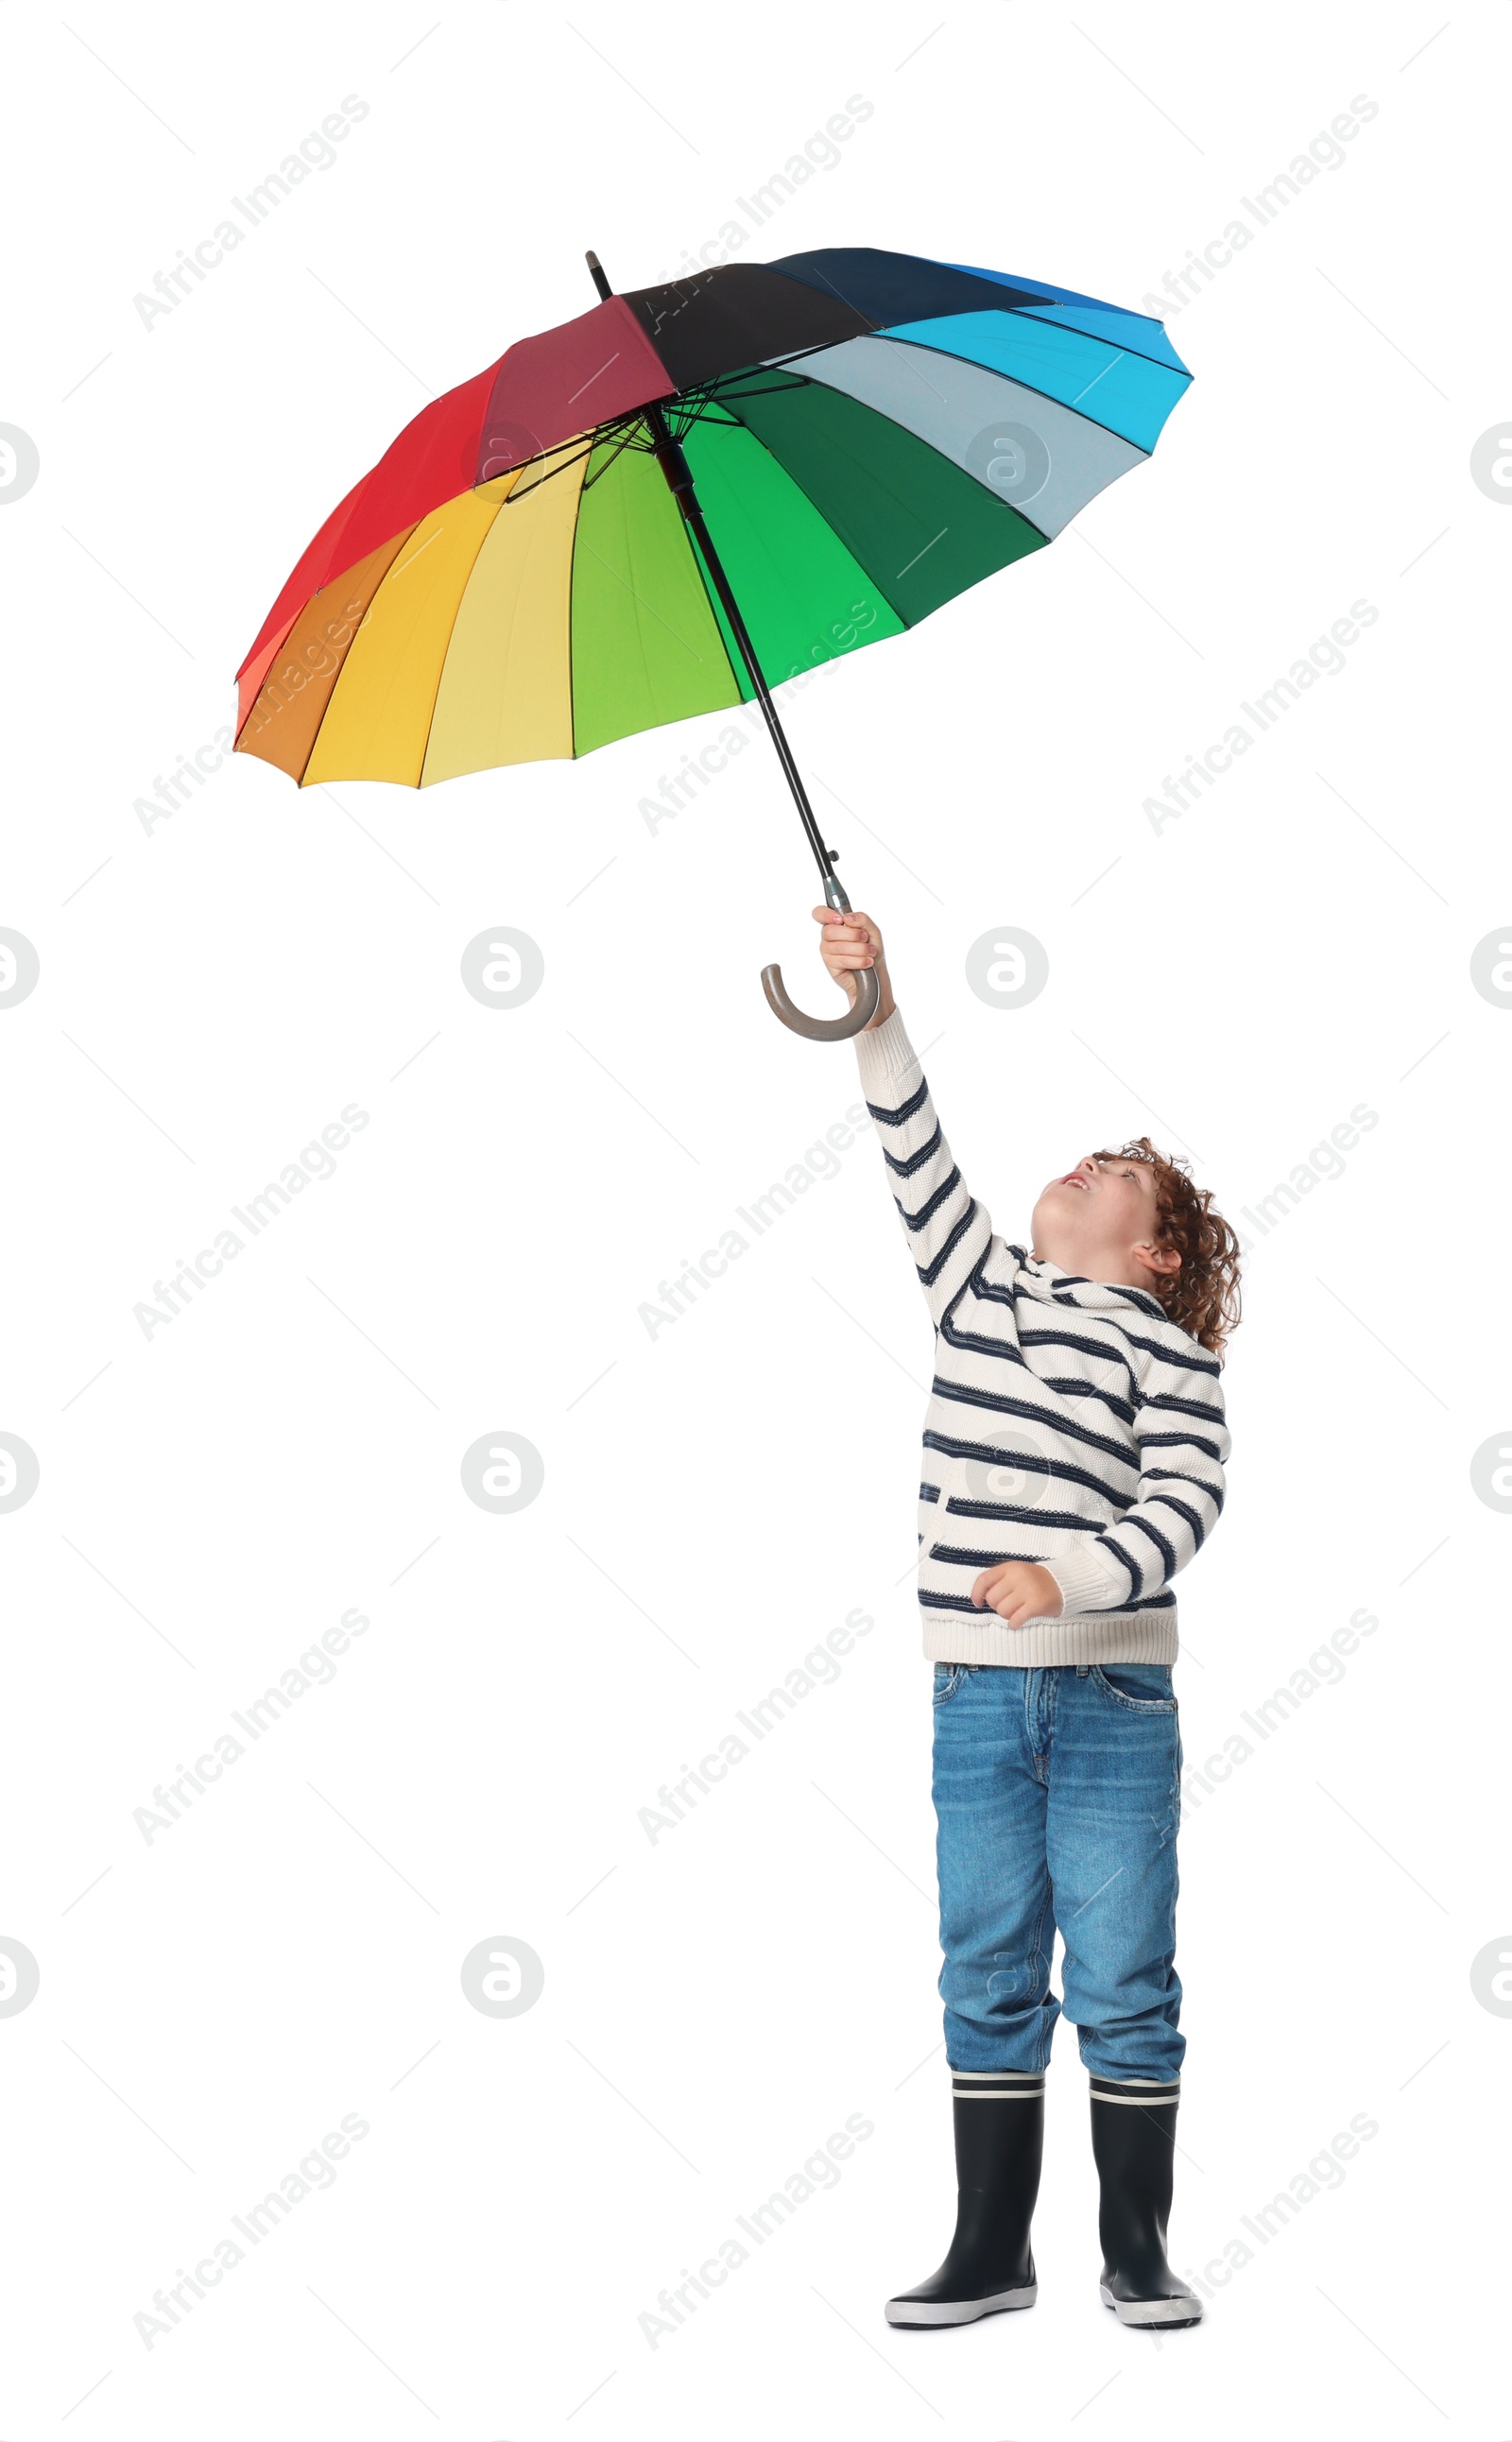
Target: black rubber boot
(989, 2270)
(1134, 2135)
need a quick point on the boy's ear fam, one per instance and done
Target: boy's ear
(1164, 1260)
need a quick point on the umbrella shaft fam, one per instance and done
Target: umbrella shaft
(680, 477)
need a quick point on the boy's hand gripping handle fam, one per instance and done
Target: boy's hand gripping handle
(826, 1030)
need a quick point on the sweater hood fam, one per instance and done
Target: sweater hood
(1053, 1287)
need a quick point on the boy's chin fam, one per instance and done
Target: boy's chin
(1053, 1230)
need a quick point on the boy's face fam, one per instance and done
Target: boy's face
(1101, 1219)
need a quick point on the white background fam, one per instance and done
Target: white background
(215, 989)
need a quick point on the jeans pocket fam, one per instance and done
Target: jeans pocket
(1136, 1687)
(948, 1676)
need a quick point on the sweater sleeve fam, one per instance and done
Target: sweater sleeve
(1183, 1443)
(947, 1230)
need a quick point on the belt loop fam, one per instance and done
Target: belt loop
(1081, 1669)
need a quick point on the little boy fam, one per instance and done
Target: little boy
(1074, 1462)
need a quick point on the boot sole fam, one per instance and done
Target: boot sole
(928, 2315)
(1167, 2314)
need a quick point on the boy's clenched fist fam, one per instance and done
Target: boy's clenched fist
(848, 943)
(1018, 1591)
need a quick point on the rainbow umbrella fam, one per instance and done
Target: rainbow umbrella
(685, 496)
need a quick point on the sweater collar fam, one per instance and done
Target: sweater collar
(1053, 1287)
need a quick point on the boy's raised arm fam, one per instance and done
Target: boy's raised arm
(947, 1229)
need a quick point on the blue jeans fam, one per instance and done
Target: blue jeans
(1058, 1797)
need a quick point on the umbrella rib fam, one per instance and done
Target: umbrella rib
(716, 390)
(538, 456)
(823, 347)
(589, 481)
(1048, 324)
(700, 413)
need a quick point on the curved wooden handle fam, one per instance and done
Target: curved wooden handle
(824, 1029)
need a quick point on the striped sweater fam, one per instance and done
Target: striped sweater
(1070, 1421)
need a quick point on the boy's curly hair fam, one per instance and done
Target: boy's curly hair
(1204, 1296)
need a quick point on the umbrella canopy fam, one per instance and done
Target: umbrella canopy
(868, 434)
